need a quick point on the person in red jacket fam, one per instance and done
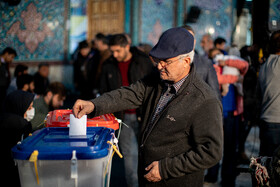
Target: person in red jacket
(232, 109)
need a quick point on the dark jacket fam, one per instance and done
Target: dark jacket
(41, 84)
(111, 78)
(84, 73)
(186, 137)
(13, 127)
(4, 75)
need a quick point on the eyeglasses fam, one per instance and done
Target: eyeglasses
(164, 63)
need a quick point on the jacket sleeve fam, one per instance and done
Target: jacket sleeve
(240, 64)
(206, 130)
(129, 97)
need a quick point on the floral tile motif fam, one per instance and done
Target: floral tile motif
(35, 28)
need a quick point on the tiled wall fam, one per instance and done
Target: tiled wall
(216, 18)
(35, 28)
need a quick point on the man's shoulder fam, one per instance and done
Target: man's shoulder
(40, 104)
(203, 89)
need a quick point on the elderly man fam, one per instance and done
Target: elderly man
(206, 43)
(181, 132)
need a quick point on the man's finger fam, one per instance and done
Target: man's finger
(76, 108)
(81, 113)
(147, 176)
(149, 167)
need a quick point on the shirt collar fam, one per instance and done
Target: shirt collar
(176, 85)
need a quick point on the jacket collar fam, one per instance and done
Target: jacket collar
(181, 92)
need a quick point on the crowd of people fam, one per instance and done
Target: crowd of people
(185, 111)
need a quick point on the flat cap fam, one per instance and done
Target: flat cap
(173, 42)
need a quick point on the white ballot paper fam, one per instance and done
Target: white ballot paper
(78, 127)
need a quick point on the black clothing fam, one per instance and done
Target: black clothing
(4, 81)
(13, 127)
(186, 137)
(84, 74)
(111, 77)
(41, 84)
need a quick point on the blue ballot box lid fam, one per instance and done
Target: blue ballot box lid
(54, 143)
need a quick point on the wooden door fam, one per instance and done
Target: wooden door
(105, 16)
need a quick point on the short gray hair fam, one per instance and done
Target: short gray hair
(190, 54)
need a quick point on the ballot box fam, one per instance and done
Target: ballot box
(53, 158)
(60, 118)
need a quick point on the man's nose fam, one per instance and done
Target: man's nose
(159, 66)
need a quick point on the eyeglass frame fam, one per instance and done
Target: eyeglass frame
(166, 62)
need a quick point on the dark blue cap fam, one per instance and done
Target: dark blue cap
(173, 42)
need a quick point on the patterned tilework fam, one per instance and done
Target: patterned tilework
(216, 16)
(35, 28)
(156, 17)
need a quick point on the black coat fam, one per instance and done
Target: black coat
(111, 78)
(13, 128)
(186, 138)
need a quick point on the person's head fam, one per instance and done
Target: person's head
(120, 47)
(220, 43)
(43, 70)
(25, 82)
(8, 54)
(274, 43)
(20, 103)
(206, 43)
(190, 29)
(84, 48)
(55, 95)
(173, 54)
(101, 42)
(214, 52)
(20, 70)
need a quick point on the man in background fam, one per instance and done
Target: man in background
(51, 100)
(206, 44)
(126, 66)
(19, 70)
(41, 80)
(25, 83)
(220, 43)
(83, 77)
(102, 46)
(269, 97)
(7, 56)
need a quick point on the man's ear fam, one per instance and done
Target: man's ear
(127, 47)
(187, 61)
(25, 87)
(49, 94)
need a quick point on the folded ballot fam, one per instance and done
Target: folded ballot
(78, 127)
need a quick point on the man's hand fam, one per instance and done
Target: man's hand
(82, 107)
(153, 175)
